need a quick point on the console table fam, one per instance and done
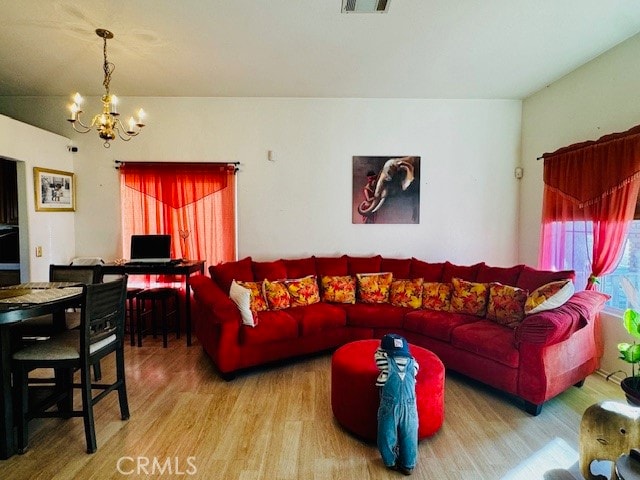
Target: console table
(185, 268)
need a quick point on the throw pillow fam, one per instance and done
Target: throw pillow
(436, 296)
(506, 304)
(258, 302)
(549, 296)
(374, 287)
(277, 294)
(303, 291)
(242, 298)
(406, 293)
(469, 297)
(338, 288)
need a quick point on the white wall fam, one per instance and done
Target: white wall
(53, 231)
(597, 99)
(300, 204)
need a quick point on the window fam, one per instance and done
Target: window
(576, 255)
(193, 202)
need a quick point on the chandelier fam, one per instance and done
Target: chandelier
(107, 123)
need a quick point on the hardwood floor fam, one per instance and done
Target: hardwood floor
(277, 423)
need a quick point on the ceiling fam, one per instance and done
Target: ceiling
(305, 48)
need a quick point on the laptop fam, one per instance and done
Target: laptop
(146, 249)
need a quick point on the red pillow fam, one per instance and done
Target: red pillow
(275, 270)
(505, 276)
(225, 273)
(300, 267)
(400, 267)
(364, 264)
(467, 273)
(332, 266)
(430, 272)
(530, 278)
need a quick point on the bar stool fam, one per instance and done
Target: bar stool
(132, 298)
(158, 297)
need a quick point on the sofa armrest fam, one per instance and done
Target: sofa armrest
(210, 298)
(553, 326)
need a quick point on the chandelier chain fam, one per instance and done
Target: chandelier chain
(108, 68)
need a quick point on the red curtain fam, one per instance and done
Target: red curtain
(595, 182)
(193, 202)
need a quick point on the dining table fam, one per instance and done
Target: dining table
(18, 303)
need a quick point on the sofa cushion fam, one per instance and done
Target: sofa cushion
(464, 272)
(487, 339)
(364, 264)
(469, 297)
(429, 272)
(303, 291)
(375, 315)
(436, 296)
(399, 267)
(273, 326)
(277, 295)
(530, 278)
(241, 296)
(338, 289)
(316, 318)
(300, 267)
(549, 296)
(275, 270)
(225, 273)
(406, 293)
(503, 275)
(373, 287)
(506, 304)
(332, 266)
(433, 324)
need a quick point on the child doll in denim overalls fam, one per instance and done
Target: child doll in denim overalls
(397, 414)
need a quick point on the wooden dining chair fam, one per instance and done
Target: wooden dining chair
(101, 333)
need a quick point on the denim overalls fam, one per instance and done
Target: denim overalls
(398, 417)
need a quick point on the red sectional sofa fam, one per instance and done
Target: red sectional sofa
(542, 356)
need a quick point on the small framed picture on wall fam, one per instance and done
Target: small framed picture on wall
(55, 190)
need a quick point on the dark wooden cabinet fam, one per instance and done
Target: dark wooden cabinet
(8, 193)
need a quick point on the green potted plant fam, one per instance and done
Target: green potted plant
(630, 353)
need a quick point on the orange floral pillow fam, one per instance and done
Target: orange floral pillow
(436, 296)
(506, 304)
(303, 291)
(338, 289)
(374, 287)
(549, 296)
(406, 293)
(257, 302)
(469, 297)
(277, 294)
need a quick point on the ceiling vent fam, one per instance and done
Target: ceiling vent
(365, 6)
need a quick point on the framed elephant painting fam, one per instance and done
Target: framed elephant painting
(386, 189)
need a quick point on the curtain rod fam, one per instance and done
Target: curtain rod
(123, 162)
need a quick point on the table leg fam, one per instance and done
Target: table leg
(187, 308)
(7, 447)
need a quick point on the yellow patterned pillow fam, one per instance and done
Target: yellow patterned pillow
(338, 289)
(303, 291)
(506, 304)
(277, 294)
(549, 296)
(436, 296)
(257, 302)
(406, 293)
(469, 297)
(374, 287)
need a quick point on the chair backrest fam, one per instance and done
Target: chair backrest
(84, 274)
(103, 314)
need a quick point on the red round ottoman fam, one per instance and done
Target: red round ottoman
(355, 397)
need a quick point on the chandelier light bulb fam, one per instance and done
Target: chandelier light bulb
(132, 125)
